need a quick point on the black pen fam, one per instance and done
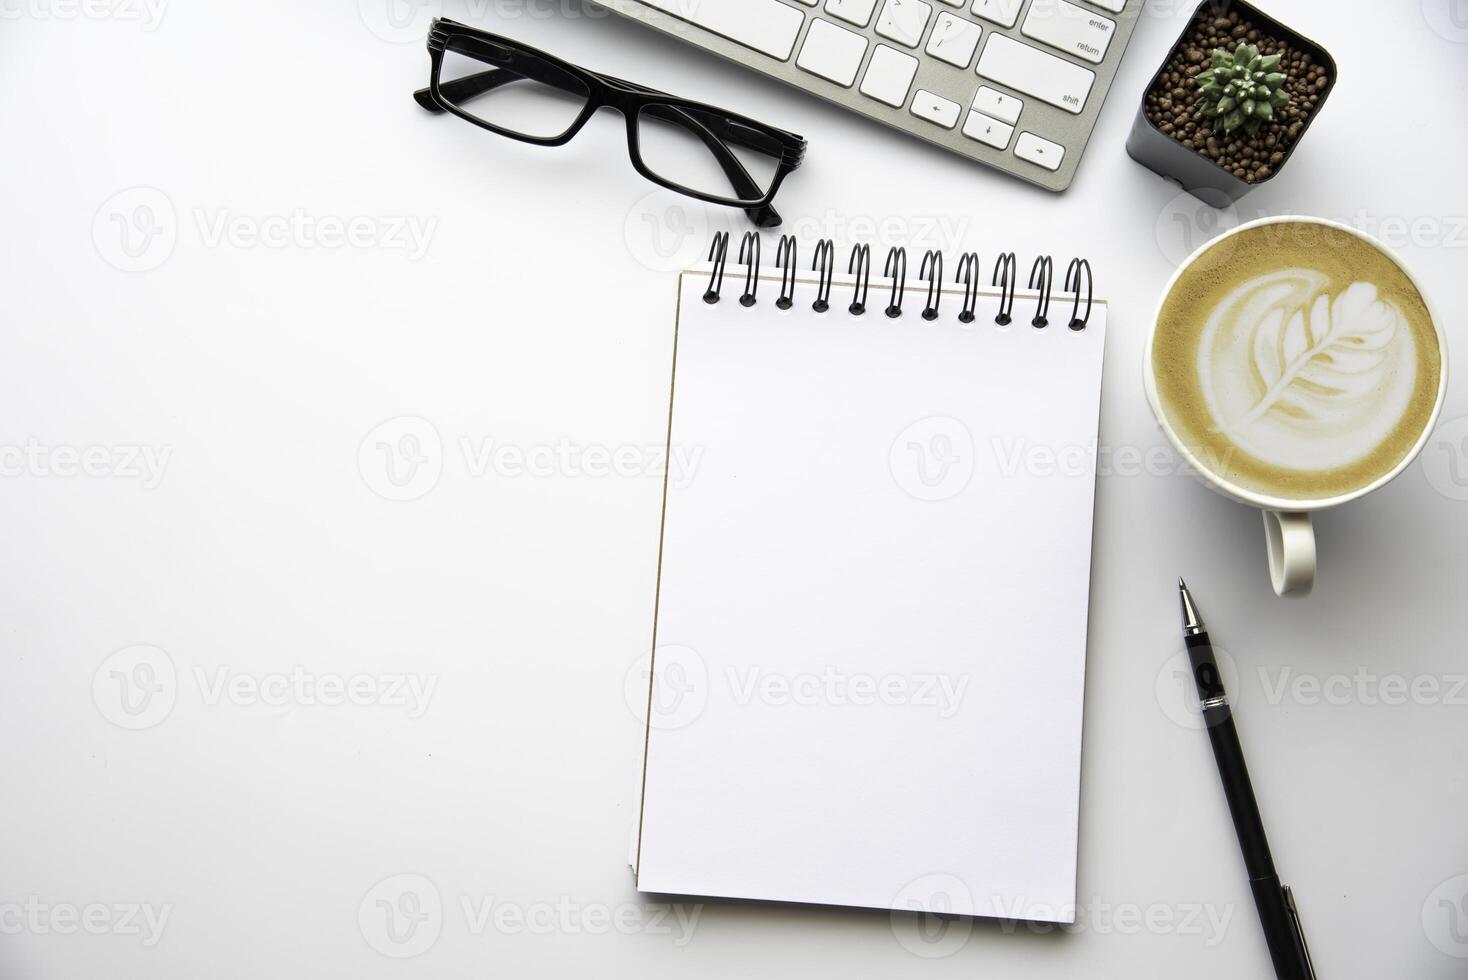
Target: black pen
(1276, 903)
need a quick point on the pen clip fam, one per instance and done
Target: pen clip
(1294, 910)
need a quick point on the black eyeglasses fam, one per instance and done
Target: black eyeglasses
(689, 147)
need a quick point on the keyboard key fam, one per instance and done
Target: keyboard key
(856, 12)
(768, 26)
(991, 131)
(1115, 6)
(1002, 12)
(935, 108)
(1042, 152)
(1002, 107)
(889, 76)
(832, 52)
(1029, 70)
(954, 40)
(1070, 28)
(904, 21)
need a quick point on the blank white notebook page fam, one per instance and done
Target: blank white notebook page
(870, 642)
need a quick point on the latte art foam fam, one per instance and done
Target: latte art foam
(1303, 377)
(1298, 360)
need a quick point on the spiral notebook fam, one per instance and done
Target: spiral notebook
(869, 646)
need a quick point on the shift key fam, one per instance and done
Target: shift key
(1033, 72)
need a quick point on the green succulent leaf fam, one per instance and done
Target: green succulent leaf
(1241, 89)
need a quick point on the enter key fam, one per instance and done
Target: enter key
(1069, 28)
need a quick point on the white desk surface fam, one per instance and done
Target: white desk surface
(229, 536)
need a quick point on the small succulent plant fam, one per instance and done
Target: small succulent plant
(1241, 90)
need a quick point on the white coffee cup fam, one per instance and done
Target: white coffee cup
(1289, 535)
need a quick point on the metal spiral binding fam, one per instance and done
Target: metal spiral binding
(785, 259)
(968, 274)
(932, 270)
(860, 266)
(749, 249)
(896, 270)
(1078, 279)
(1041, 275)
(1073, 277)
(825, 264)
(1004, 278)
(719, 256)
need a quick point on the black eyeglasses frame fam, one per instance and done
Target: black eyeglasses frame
(713, 125)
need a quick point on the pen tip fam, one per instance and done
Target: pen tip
(1192, 622)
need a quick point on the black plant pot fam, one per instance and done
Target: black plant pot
(1197, 174)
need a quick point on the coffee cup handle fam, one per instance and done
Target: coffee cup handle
(1290, 540)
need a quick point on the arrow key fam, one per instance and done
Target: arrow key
(1040, 152)
(989, 131)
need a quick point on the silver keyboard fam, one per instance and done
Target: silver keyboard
(1015, 84)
